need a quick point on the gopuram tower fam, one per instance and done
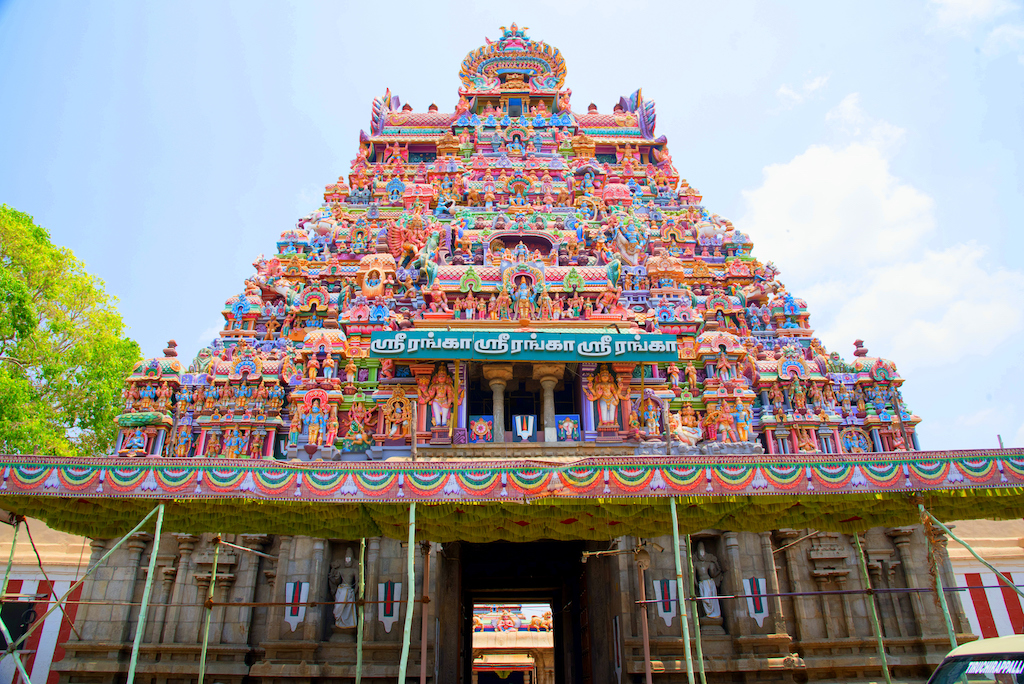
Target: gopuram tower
(518, 281)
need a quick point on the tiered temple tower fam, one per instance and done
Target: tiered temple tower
(518, 278)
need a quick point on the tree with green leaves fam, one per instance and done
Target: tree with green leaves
(63, 352)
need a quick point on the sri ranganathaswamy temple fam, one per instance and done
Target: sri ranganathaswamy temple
(513, 334)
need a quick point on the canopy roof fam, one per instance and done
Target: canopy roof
(482, 501)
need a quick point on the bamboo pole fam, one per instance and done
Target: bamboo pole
(1008, 582)
(938, 576)
(140, 627)
(362, 610)
(410, 603)
(39, 622)
(11, 646)
(209, 609)
(643, 620)
(876, 625)
(424, 613)
(696, 620)
(681, 602)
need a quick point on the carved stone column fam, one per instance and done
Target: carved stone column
(372, 555)
(123, 581)
(238, 620)
(276, 625)
(734, 572)
(901, 537)
(498, 375)
(312, 630)
(802, 611)
(186, 544)
(165, 573)
(774, 602)
(549, 374)
(92, 586)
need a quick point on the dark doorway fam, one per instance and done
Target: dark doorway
(583, 598)
(496, 678)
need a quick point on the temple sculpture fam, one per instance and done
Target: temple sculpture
(520, 276)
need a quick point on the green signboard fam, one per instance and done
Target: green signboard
(523, 346)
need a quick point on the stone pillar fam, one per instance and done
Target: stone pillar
(93, 586)
(275, 620)
(774, 602)
(549, 374)
(313, 628)
(122, 586)
(237, 620)
(186, 544)
(956, 608)
(165, 573)
(733, 571)
(801, 610)
(498, 375)
(370, 621)
(901, 537)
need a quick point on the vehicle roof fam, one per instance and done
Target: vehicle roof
(1007, 644)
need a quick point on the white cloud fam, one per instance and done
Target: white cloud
(791, 96)
(849, 118)
(1004, 38)
(852, 239)
(960, 16)
(1018, 439)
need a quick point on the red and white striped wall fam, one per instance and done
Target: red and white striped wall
(993, 608)
(45, 645)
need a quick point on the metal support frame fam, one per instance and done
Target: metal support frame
(140, 627)
(209, 609)
(684, 605)
(876, 625)
(696, 619)
(362, 611)
(11, 646)
(410, 601)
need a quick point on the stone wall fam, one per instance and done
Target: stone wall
(819, 637)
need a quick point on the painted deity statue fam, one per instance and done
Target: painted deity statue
(441, 396)
(314, 421)
(604, 390)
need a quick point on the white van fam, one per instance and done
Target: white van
(999, 660)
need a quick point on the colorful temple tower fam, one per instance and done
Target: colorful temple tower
(513, 272)
(517, 279)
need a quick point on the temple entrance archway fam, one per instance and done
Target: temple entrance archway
(580, 595)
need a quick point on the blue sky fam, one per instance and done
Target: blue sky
(871, 151)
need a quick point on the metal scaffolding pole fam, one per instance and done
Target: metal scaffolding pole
(209, 609)
(410, 601)
(11, 646)
(140, 628)
(682, 603)
(696, 619)
(362, 611)
(876, 624)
